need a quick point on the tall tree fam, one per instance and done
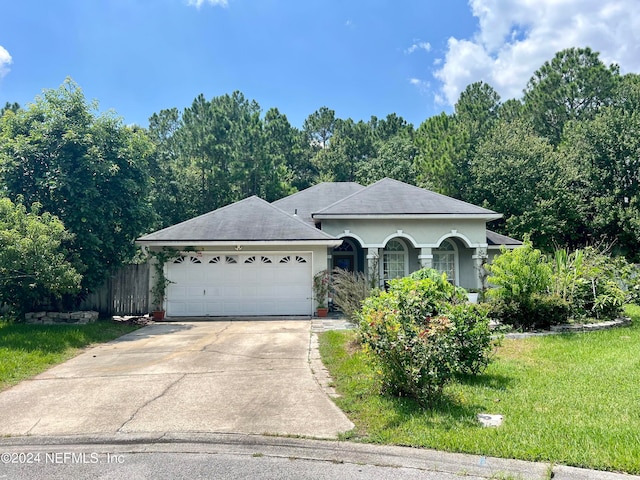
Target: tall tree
(516, 173)
(89, 170)
(9, 107)
(319, 126)
(436, 141)
(351, 145)
(393, 158)
(604, 154)
(574, 85)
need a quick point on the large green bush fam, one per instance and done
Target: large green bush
(593, 283)
(34, 264)
(421, 336)
(534, 291)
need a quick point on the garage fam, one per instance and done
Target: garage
(249, 258)
(228, 284)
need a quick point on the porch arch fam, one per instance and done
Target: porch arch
(400, 234)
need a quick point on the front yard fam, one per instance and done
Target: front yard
(26, 350)
(571, 399)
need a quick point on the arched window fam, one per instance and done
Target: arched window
(394, 260)
(344, 256)
(444, 260)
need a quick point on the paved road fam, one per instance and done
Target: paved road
(233, 456)
(217, 376)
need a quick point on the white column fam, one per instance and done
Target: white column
(373, 268)
(479, 259)
(426, 257)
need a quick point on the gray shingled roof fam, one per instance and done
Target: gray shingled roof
(494, 238)
(316, 198)
(391, 197)
(251, 219)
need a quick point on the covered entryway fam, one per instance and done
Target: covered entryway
(228, 284)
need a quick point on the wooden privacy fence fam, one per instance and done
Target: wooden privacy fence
(126, 292)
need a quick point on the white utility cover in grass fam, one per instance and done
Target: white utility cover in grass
(229, 284)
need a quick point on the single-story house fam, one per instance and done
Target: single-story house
(258, 258)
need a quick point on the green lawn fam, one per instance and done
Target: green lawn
(572, 399)
(26, 350)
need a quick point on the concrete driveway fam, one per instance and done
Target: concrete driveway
(207, 376)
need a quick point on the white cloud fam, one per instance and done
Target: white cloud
(515, 37)
(418, 45)
(5, 61)
(215, 3)
(422, 85)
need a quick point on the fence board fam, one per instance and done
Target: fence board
(126, 292)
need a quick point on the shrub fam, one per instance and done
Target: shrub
(349, 291)
(420, 340)
(593, 283)
(539, 311)
(35, 266)
(519, 273)
(472, 336)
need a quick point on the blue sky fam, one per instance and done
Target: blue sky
(411, 57)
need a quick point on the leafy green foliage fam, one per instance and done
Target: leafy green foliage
(522, 278)
(35, 266)
(539, 311)
(519, 273)
(572, 86)
(594, 284)
(421, 336)
(90, 171)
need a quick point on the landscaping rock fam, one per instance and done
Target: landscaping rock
(53, 318)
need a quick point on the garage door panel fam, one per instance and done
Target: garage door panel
(257, 284)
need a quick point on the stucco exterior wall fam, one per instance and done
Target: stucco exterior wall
(424, 232)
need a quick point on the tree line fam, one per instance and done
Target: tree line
(561, 163)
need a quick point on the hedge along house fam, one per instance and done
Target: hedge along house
(256, 258)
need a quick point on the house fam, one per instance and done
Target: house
(258, 258)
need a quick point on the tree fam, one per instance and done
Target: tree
(168, 193)
(390, 127)
(35, 266)
(351, 146)
(9, 107)
(604, 155)
(574, 85)
(436, 142)
(393, 158)
(517, 174)
(476, 112)
(90, 171)
(319, 126)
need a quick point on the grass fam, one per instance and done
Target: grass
(26, 350)
(571, 399)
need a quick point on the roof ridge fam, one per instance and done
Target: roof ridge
(297, 219)
(345, 198)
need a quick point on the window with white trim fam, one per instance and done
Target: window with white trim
(444, 260)
(394, 260)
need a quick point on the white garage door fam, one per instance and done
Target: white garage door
(248, 284)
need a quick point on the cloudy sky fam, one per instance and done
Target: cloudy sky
(360, 58)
